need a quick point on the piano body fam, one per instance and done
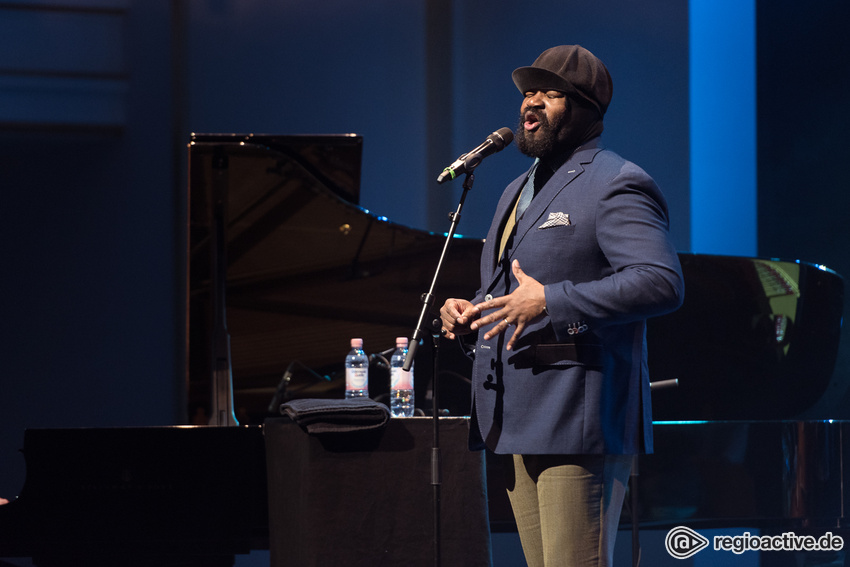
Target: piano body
(752, 348)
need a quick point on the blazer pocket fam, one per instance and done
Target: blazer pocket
(568, 354)
(559, 227)
(556, 220)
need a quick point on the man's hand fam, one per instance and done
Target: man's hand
(519, 308)
(457, 315)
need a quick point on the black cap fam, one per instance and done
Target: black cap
(571, 69)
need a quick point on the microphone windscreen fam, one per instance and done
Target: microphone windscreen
(502, 137)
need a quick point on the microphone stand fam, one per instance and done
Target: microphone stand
(427, 303)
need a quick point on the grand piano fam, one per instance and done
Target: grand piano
(284, 268)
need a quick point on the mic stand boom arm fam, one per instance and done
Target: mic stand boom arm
(427, 303)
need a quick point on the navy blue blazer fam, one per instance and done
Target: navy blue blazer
(597, 237)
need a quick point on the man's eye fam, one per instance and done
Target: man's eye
(555, 94)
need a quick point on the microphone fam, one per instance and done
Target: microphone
(469, 161)
(280, 393)
(381, 357)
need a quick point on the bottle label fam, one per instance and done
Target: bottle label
(401, 380)
(356, 378)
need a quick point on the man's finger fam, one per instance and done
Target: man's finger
(470, 311)
(500, 326)
(456, 309)
(516, 334)
(518, 273)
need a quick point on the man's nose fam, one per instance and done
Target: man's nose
(535, 100)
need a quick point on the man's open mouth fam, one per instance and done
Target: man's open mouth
(530, 122)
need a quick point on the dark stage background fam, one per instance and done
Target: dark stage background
(98, 100)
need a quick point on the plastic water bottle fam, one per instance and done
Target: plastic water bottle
(356, 371)
(401, 382)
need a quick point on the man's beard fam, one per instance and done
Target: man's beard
(568, 132)
(542, 142)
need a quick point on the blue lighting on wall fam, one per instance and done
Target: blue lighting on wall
(723, 127)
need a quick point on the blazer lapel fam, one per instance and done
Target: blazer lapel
(565, 175)
(503, 209)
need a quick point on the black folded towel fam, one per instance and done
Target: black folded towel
(336, 416)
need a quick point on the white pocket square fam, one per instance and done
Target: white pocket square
(556, 219)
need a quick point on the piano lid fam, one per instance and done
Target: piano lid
(333, 159)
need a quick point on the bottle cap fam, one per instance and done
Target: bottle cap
(401, 341)
(356, 343)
